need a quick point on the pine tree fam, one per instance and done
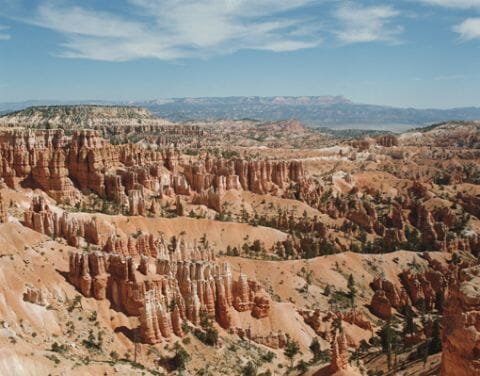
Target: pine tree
(250, 369)
(316, 349)
(327, 290)
(435, 345)
(352, 290)
(439, 300)
(291, 350)
(386, 338)
(409, 326)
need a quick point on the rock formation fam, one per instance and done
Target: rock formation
(273, 340)
(37, 296)
(3, 211)
(461, 327)
(322, 321)
(339, 360)
(185, 282)
(57, 224)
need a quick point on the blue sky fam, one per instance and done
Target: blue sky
(418, 53)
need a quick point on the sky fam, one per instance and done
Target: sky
(403, 53)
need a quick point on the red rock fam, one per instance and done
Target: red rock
(461, 326)
(261, 306)
(339, 360)
(3, 211)
(380, 305)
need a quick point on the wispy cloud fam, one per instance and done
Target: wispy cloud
(3, 33)
(367, 23)
(449, 77)
(468, 29)
(461, 4)
(172, 29)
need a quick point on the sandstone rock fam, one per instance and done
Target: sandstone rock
(186, 282)
(56, 224)
(136, 202)
(339, 360)
(273, 340)
(261, 306)
(242, 298)
(461, 323)
(3, 211)
(380, 305)
(37, 296)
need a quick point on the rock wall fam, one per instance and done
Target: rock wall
(131, 174)
(60, 224)
(38, 157)
(167, 289)
(418, 289)
(461, 327)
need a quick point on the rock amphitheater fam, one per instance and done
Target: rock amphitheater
(132, 245)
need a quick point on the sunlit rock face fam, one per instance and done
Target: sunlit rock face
(461, 326)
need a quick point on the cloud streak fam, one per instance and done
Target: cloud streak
(460, 4)
(3, 33)
(362, 24)
(172, 29)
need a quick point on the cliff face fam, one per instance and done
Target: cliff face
(167, 290)
(37, 157)
(130, 174)
(256, 176)
(420, 288)
(461, 327)
(85, 116)
(41, 218)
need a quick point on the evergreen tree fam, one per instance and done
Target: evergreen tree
(386, 340)
(291, 350)
(181, 358)
(327, 290)
(250, 369)
(409, 326)
(435, 345)
(288, 248)
(352, 290)
(439, 300)
(315, 349)
(302, 366)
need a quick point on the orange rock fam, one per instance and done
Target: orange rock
(380, 305)
(461, 323)
(339, 360)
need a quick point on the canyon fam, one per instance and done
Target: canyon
(133, 244)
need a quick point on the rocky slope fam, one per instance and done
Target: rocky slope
(347, 259)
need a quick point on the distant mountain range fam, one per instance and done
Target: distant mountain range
(321, 111)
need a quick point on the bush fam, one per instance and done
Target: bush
(269, 356)
(208, 337)
(58, 348)
(180, 359)
(250, 369)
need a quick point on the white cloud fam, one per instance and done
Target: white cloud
(461, 4)
(468, 29)
(172, 29)
(367, 23)
(3, 34)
